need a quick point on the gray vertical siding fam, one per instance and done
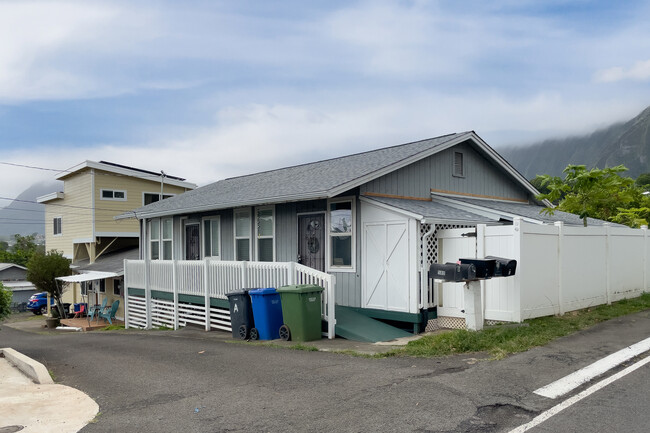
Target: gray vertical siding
(348, 284)
(416, 180)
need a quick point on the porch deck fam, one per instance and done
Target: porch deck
(82, 322)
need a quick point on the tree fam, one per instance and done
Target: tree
(643, 181)
(22, 250)
(5, 302)
(595, 193)
(4, 246)
(44, 269)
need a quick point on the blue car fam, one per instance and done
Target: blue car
(38, 303)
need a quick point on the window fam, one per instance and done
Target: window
(117, 287)
(109, 194)
(154, 239)
(84, 288)
(102, 286)
(167, 241)
(265, 234)
(161, 247)
(242, 234)
(211, 237)
(56, 222)
(459, 169)
(341, 233)
(152, 197)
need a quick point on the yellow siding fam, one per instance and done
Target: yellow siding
(75, 212)
(106, 210)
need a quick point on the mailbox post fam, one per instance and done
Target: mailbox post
(471, 271)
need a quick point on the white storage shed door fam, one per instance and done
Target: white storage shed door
(386, 266)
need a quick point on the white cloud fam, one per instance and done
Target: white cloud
(639, 72)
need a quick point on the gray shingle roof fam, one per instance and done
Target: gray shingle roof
(302, 182)
(111, 262)
(531, 211)
(432, 211)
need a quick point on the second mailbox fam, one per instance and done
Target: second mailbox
(484, 267)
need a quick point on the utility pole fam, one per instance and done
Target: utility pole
(162, 182)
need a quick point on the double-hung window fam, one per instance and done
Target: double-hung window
(341, 234)
(161, 239)
(211, 237)
(56, 226)
(167, 235)
(243, 234)
(265, 233)
(154, 239)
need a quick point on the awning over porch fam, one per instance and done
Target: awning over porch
(88, 276)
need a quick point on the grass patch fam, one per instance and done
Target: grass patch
(304, 347)
(502, 340)
(113, 328)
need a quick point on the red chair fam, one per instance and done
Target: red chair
(81, 312)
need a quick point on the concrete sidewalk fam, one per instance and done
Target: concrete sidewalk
(31, 402)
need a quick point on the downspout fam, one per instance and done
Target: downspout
(424, 271)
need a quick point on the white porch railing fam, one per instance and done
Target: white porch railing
(213, 279)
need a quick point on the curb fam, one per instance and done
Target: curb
(33, 369)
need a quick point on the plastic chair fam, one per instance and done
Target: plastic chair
(97, 309)
(81, 312)
(110, 314)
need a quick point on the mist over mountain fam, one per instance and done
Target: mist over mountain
(23, 216)
(626, 143)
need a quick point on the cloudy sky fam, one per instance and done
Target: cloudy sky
(212, 89)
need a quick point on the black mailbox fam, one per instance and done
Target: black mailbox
(503, 267)
(452, 272)
(484, 267)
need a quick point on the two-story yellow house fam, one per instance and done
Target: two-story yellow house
(79, 222)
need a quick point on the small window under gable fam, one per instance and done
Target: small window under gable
(459, 168)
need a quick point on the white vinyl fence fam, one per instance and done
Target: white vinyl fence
(210, 279)
(559, 268)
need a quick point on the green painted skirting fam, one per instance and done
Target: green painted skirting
(395, 315)
(190, 299)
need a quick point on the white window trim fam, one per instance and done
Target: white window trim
(101, 194)
(163, 239)
(234, 231)
(155, 193)
(202, 234)
(60, 218)
(150, 223)
(328, 247)
(257, 235)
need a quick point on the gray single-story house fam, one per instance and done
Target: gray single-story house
(14, 278)
(369, 219)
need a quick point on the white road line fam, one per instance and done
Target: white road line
(576, 398)
(574, 380)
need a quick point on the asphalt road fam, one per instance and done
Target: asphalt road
(189, 380)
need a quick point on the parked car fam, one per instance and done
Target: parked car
(37, 304)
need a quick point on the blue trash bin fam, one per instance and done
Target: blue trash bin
(267, 314)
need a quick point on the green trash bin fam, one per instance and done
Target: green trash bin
(301, 310)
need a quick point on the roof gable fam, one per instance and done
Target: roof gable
(322, 179)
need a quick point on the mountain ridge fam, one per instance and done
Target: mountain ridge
(626, 143)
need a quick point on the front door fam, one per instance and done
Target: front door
(311, 241)
(192, 244)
